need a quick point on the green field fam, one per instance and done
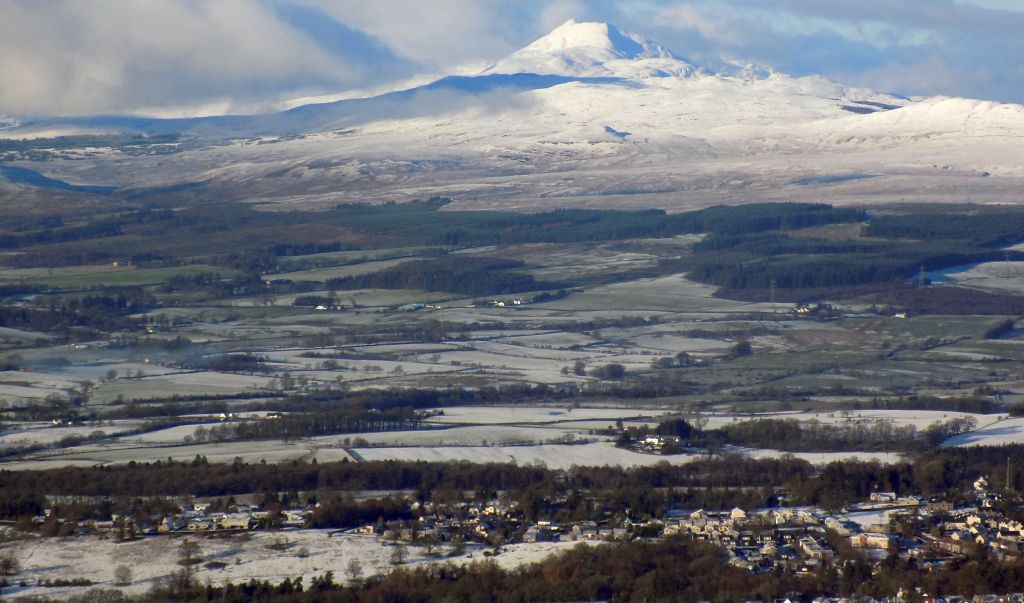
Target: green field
(84, 277)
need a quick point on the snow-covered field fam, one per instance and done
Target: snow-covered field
(1002, 276)
(523, 435)
(551, 456)
(824, 458)
(668, 293)
(171, 435)
(997, 433)
(537, 414)
(272, 451)
(180, 383)
(306, 554)
(866, 519)
(20, 434)
(920, 419)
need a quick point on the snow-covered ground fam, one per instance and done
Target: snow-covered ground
(866, 519)
(553, 456)
(1002, 276)
(920, 419)
(21, 434)
(537, 414)
(997, 433)
(271, 451)
(824, 458)
(306, 554)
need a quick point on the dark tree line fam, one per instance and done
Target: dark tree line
(200, 478)
(985, 227)
(793, 435)
(310, 424)
(63, 316)
(458, 274)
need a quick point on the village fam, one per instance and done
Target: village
(797, 540)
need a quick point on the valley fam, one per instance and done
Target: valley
(590, 322)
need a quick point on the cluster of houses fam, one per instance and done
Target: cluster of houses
(816, 311)
(758, 542)
(416, 307)
(978, 526)
(487, 523)
(500, 303)
(657, 444)
(237, 517)
(195, 519)
(795, 539)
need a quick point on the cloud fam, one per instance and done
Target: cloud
(942, 47)
(159, 56)
(438, 33)
(556, 13)
(67, 56)
(684, 16)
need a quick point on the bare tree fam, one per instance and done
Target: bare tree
(354, 570)
(9, 564)
(123, 575)
(189, 551)
(399, 554)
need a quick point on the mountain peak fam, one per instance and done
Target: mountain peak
(598, 36)
(588, 49)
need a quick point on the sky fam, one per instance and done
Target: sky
(180, 57)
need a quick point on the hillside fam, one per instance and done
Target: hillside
(587, 115)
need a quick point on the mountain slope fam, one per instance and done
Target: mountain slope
(588, 115)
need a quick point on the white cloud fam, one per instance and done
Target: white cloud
(68, 56)
(556, 13)
(685, 16)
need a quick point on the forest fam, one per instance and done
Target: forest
(458, 274)
(745, 249)
(815, 436)
(943, 472)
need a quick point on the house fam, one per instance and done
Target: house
(814, 549)
(587, 530)
(237, 521)
(939, 506)
(874, 541)
(168, 525)
(104, 526)
(533, 534)
(737, 514)
(296, 518)
(843, 527)
(201, 524)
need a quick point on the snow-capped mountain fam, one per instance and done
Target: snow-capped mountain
(593, 50)
(589, 114)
